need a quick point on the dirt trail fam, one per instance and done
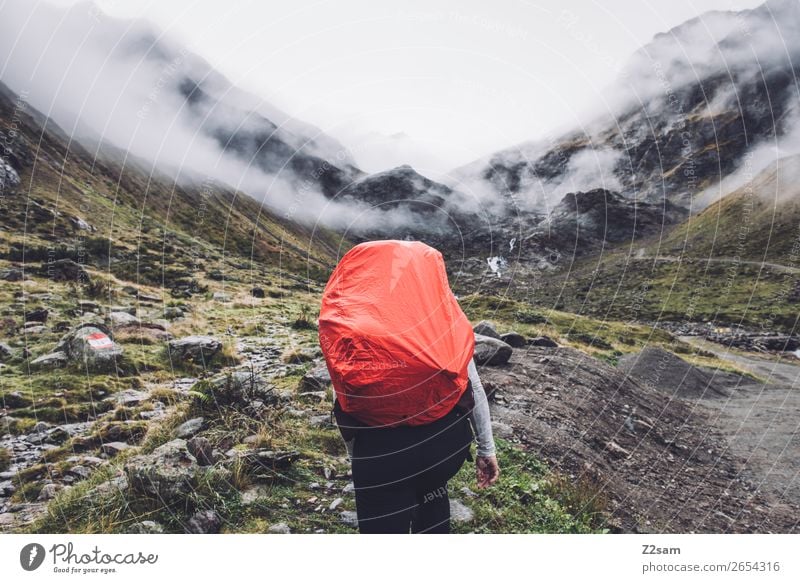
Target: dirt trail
(732, 260)
(762, 420)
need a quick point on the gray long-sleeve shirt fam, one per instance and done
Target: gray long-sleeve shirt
(479, 417)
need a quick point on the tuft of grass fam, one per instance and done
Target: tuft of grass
(5, 459)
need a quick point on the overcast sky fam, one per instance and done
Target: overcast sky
(432, 83)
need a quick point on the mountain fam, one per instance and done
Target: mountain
(117, 213)
(687, 109)
(127, 83)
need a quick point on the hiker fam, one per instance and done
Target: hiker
(408, 398)
(401, 473)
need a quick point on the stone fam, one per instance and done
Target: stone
(460, 512)
(112, 448)
(544, 341)
(257, 292)
(50, 361)
(221, 297)
(15, 400)
(202, 450)
(280, 528)
(262, 463)
(349, 517)
(189, 428)
(486, 328)
(491, 351)
(502, 430)
(116, 485)
(80, 472)
(35, 329)
(129, 397)
(88, 306)
(198, 349)
(92, 346)
(122, 319)
(317, 379)
(513, 339)
(6, 352)
(172, 313)
(335, 504)
(12, 274)
(65, 270)
(204, 522)
(37, 315)
(145, 527)
(169, 473)
(48, 492)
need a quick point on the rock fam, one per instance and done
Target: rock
(48, 492)
(122, 319)
(257, 292)
(129, 397)
(239, 388)
(202, 450)
(116, 485)
(317, 379)
(204, 522)
(198, 349)
(502, 430)
(6, 352)
(15, 400)
(468, 493)
(280, 528)
(80, 472)
(12, 274)
(349, 517)
(169, 473)
(513, 339)
(40, 427)
(57, 435)
(50, 361)
(172, 313)
(544, 341)
(7, 488)
(486, 328)
(145, 527)
(65, 270)
(222, 297)
(92, 346)
(35, 329)
(149, 299)
(87, 306)
(335, 504)
(189, 428)
(112, 448)
(37, 315)
(491, 351)
(459, 512)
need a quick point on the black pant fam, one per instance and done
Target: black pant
(400, 474)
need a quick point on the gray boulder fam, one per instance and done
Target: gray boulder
(6, 352)
(204, 522)
(122, 319)
(198, 349)
(91, 345)
(50, 361)
(544, 341)
(513, 339)
(189, 428)
(486, 328)
(491, 351)
(145, 527)
(169, 473)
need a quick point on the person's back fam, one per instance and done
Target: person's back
(406, 422)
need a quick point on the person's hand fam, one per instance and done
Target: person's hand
(487, 470)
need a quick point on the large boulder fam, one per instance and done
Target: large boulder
(513, 339)
(6, 352)
(65, 270)
(122, 319)
(491, 351)
(51, 361)
(198, 349)
(486, 328)
(169, 473)
(91, 345)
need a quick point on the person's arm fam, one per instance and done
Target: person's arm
(481, 419)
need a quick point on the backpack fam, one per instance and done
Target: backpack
(395, 340)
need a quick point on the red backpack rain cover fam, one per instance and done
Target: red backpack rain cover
(395, 340)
